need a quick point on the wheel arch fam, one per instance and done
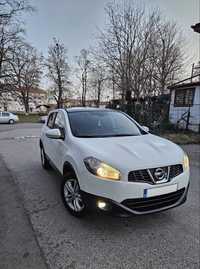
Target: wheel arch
(40, 143)
(68, 169)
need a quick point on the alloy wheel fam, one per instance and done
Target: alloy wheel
(72, 195)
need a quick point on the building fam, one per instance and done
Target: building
(9, 101)
(76, 102)
(72, 102)
(184, 108)
(38, 100)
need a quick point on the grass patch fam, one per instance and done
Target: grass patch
(31, 118)
(183, 138)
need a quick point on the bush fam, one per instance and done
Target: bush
(167, 126)
(32, 118)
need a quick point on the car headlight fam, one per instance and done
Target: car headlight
(101, 169)
(185, 162)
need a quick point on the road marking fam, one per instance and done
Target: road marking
(19, 137)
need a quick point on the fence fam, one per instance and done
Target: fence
(152, 112)
(186, 118)
(159, 114)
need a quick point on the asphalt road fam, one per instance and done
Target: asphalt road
(37, 232)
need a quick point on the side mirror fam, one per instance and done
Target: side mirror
(145, 128)
(54, 134)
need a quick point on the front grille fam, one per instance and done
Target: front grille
(140, 175)
(175, 170)
(153, 203)
(148, 175)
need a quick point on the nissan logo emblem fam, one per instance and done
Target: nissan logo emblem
(159, 174)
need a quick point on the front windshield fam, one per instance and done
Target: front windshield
(102, 124)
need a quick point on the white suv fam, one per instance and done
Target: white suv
(8, 117)
(108, 161)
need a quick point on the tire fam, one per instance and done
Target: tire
(45, 162)
(72, 197)
(11, 121)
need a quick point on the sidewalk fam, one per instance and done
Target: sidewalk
(18, 245)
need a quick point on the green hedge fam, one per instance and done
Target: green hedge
(32, 118)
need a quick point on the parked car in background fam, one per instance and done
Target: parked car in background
(8, 117)
(43, 119)
(108, 161)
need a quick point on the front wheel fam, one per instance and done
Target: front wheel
(72, 197)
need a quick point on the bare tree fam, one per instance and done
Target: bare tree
(84, 65)
(168, 57)
(98, 78)
(12, 8)
(10, 32)
(8, 36)
(118, 43)
(24, 72)
(140, 50)
(58, 70)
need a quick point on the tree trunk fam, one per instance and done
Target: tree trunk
(25, 104)
(27, 107)
(83, 91)
(59, 100)
(98, 93)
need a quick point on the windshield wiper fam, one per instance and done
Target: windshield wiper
(87, 136)
(103, 136)
(115, 135)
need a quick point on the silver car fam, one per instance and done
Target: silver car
(8, 117)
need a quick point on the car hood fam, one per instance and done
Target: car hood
(133, 152)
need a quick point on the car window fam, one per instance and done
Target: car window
(5, 114)
(59, 121)
(51, 119)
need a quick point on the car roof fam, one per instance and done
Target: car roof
(86, 109)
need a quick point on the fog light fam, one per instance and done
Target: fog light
(101, 204)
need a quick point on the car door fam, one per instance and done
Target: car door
(59, 145)
(0, 117)
(48, 142)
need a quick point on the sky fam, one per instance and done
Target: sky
(75, 22)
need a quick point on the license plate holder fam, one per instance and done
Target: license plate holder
(157, 191)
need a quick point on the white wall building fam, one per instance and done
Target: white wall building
(185, 98)
(12, 103)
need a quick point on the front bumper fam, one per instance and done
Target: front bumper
(119, 191)
(139, 206)
(16, 119)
